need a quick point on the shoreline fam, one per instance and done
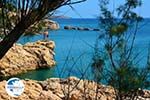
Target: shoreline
(71, 88)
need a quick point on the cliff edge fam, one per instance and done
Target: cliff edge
(31, 56)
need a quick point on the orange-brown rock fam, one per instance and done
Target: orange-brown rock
(51, 24)
(31, 56)
(65, 89)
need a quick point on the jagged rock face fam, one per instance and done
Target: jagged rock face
(76, 89)
(57, 89)
(65, 89)
(21, 58)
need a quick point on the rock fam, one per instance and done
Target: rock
(68, 27)
(61, 89)
(74, 28)
(86, 29)
(12, 14)
(80, 28)
(51, 24)
(33, 91)
(144, 94)
(87, 90)
(96, 29)
(31, 56)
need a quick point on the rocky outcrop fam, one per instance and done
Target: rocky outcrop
(21, 58)
(34, 29)
(76, 89)
(80, 28)
(65, 89)
(51, 24)
(69, 27)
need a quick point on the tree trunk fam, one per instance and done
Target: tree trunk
(13, 36)
(26, 22)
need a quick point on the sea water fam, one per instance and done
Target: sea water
(74, 49)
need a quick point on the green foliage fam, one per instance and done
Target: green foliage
(119, 69)
(117, 30)
(127, 78)
(9, 16)
(10, 7)
(36, 28)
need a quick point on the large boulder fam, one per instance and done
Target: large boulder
(52, 25)
(21, 58)
(65, 89)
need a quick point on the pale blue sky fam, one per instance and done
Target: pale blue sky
(90, 9)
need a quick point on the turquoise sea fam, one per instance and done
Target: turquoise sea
(74, 49)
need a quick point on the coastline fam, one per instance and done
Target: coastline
(46, 90)
(71, 88)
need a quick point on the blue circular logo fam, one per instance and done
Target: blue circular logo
(14, 87)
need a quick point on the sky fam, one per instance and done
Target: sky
(90, 9)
